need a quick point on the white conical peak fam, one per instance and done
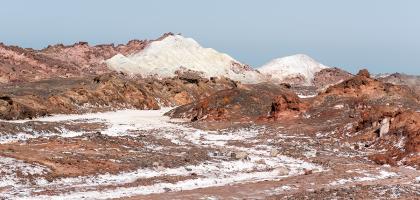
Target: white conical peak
(292, 66)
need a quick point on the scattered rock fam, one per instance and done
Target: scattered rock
(281, 171)
(384, 127)
(155, 164)
(274, 152)
(308, 171)
(240, 155)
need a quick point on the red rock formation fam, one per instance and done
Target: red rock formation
(106, 93)
(411, 81)
(103, 93)
(401, 138)
(362, 86)
(80, 59)
(244, 103)
(330, 76)
(287, 104)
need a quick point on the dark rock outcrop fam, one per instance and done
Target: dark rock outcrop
(244, 103)
(394, 130)
(103, 93)
(330, 76)
(362, 86)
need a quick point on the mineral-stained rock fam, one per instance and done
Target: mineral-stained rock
(239, 155)
(400, 136)
(367, 89)
(77, 60)
(384, 127)
(181, 90)
(106, 92)
(274, 152)
(402, 143)
(285, 104)
(281, 171)
(244, 103)
(101, 93)
(11, 109)
(410, 81)
(376, 107)
(330, 76)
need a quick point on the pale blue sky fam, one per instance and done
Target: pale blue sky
(381, 35)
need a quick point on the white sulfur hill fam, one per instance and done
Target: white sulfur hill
(293, 67)
(163, 58)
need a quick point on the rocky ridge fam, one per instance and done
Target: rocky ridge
(80, 59)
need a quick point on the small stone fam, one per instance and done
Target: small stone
(261, 161)
(339, 106)
(239, 155)
(155, 164)
(222, 151)
(281, 171)
(308, 171)
(274, 152)
(384, 127)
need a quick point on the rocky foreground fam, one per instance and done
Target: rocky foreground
(73, 128)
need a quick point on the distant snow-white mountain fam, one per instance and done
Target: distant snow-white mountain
(174, 53)
(297, 68)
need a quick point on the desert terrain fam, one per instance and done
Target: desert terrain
(170, 119)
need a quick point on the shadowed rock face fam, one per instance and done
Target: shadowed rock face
(412, 82)
(102, 93)
(385, 114)
(105, 92)
(11, 109)
(244, 103)
(284, 105)
(330, 76)
(393, 129)
(363, 87)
